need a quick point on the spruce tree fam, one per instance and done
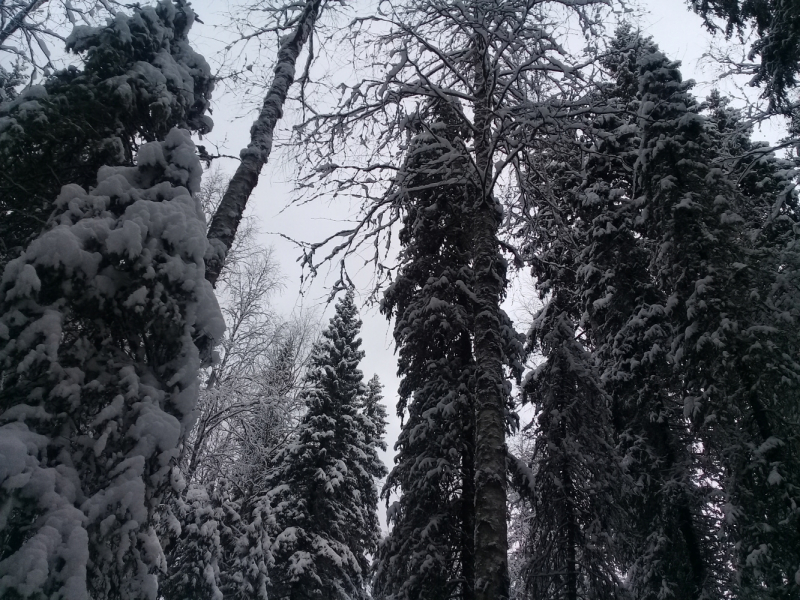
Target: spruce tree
(193, 546)
(738, 382)
(100, 317)
(374, 409)
(429, 551)
(140, 77)
(572, 550)
(572, 495)
(246, 542)
(324, 494)
(668, 544)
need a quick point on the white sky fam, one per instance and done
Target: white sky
(677, 31)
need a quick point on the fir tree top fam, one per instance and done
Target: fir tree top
(323, 489)
(334, 362)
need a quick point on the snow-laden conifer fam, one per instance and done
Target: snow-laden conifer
(375, 410)
(668, 545)
(506, 66)
(571, 494)
(193, 546)
(140, 78)
(572, 547)
(712, 242)
(324, 493)
(100, 317)
(429, 551)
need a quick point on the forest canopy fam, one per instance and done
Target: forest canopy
(169, 431)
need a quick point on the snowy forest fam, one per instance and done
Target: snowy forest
(167, 432)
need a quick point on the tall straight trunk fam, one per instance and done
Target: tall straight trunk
(468, 517)
(661, 440)
(222, 230)
(570, 523)
(572, 533)
(491, 535)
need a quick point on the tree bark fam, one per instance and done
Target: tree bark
(491, 536)
(691, 537)
(228, 215)
(572, 530)
(468, 512)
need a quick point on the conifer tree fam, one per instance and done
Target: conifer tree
(668, 545)
(140, 78)
(573, 493)
(246, 540)
(324, 494)
(100, 317)
(726, 344)
(763, 377)
(575, 514)
(374, 409)
(776, 48)
(429, 551)
(193, 531)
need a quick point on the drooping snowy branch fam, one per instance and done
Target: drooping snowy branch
(101, 314)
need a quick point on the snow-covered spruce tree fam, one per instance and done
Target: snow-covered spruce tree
(100, 317)
(738, 377)
(10, 82)
(375, 410)
(193, 528)
(219, 542)
(575, 512)
(429, 551)
(139, 79)
(668, 544)
(571, 504)
(761, 353)
(324, 494)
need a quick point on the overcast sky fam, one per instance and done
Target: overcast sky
(677, 31)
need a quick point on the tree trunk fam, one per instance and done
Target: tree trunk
(468, 514)
(572, 531)
(229, 213)
(691, 537)
(491, 536)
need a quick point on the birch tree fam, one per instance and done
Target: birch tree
(222, 230)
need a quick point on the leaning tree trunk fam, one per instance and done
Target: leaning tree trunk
(226, 219)
(491, 535)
